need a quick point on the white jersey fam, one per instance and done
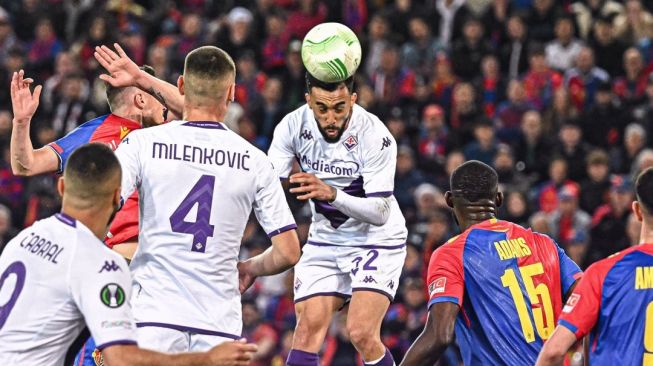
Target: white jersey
(197, 183)
(362, 163)
(56, 277)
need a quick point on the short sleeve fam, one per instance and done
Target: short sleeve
(128, 155)
(69, 143)
(101, 289)
(379, 165)
(581, 312)
(445, 278)
(281, 152)
(569, 270)
(270, 205)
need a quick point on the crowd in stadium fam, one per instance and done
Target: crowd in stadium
(557, 96)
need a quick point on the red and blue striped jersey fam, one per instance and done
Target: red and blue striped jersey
(109, 129)
(613, 303)
(509, 283)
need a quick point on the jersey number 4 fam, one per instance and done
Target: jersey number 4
(202, 195)
(539, 297)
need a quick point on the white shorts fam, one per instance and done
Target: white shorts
(333, 270)
(169, 340)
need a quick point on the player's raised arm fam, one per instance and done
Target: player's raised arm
(124, 72)
(437, 335)
(26, 161)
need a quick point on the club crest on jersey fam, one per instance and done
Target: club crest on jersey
(97, 357)
(350, 142)
(571, 303)
(437, 286)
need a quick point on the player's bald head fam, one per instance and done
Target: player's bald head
(91, 177)
(208, 74)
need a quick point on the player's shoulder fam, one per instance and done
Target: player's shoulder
(368, 124)
(603, 266)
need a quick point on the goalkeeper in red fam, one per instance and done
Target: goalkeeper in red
(498, 286)
(613, 302)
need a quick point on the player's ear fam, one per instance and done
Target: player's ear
(499, 199)
(60, 186)
(232, 93)
(116, 198)
(448, 198)
(139, 101)
(637, 210)
(180, 84)
(354, 97)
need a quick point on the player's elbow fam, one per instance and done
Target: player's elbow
(382, 213)
(21, 171)
(293, 253)
(551, 356)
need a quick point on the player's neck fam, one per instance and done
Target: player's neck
(93, 218)
(646, 234)
(126, 114)
(204, 113)
(475, 218)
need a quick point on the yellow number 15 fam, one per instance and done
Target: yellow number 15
(537, 295)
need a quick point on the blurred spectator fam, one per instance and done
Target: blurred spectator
(8, 39)
(275, 44)
(516, 208)
(514, 52)
(540, 81)
(433, 141)
(539, 222)
(590, 12)
(484, 146)
(237, 36)
(491, 85)
(610, 220)
(443, 82)
(308, 14)
(546, 195)
(189, 39)
(584, 79)
(338, 350)
(65, 64)
(533, 148)
(630, 88)
(392, 83)
(70, 108)
(293, 77)
(269, 110)
(376, 41)
(158, 57)
(354, 14)
(469, 50)
(432, 234)
(510, 113)
(573, 149)
(510, 179)
(594, 189)
(98, 34)
(622, 157)
(399, 13)
(418, 54)
(643, 113)
(249, 80)
(635, 24)
(260, 333)
(560, 111)
(454, 159)
(541, 20)
(29, 12)
(407, 178)
(570, 225)
(449, 17)
(561, 53)
(602, 124)
(428, 200)
(12, 188)
(7, 231)
(45, 47)
(608, 51)
(464, 113)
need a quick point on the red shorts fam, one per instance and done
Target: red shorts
(124, 227)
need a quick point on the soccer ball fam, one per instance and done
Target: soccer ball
(331, 52)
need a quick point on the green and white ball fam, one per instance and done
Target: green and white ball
(331, 52)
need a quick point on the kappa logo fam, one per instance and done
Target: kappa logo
(350, 142)
(112, 295)
(437, 286)
(110, 267)
(391, 285)
(369, 279)
(571, 303)
(306, 135)
(298, 284)
(386, 143)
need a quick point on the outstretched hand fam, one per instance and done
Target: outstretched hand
(23, 101)
(122, 70)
